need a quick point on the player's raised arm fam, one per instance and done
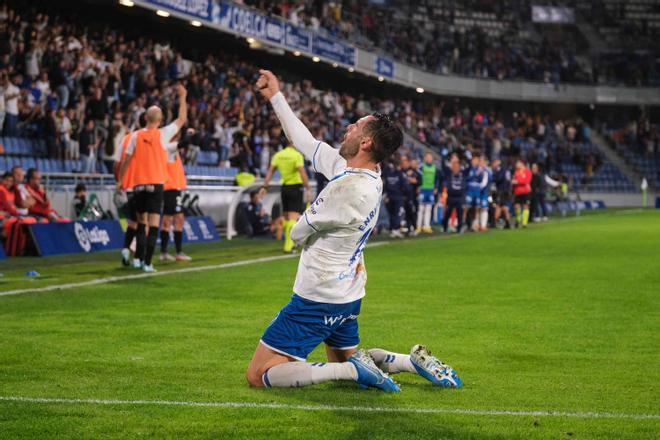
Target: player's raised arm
(324, 158)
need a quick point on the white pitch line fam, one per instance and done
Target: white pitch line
(369, 409)
(58, 287)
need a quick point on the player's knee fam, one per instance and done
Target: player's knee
(253, 378)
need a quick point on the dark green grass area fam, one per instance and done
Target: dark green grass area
(559, 317)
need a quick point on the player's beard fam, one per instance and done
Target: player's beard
(349, 148)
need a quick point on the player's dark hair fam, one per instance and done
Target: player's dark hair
(80, 188)
(385, 134)
(7, 174)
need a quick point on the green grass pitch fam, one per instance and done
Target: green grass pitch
(560, 317)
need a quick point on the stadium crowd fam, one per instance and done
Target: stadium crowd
(428, 36)
(83, 91)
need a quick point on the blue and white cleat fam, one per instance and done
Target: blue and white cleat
(432, 369)
(369, 375)
(137, 264)
(148, 268)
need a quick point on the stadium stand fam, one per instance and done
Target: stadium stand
(493, 39)
(229, 129)
(638, 143)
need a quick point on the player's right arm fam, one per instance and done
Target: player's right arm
(324, 158)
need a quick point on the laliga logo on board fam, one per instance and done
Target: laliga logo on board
(88, 236)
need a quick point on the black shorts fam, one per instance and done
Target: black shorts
(172, 202)
(293, 198)
(521, 199)
(148, 198)
(129, 207)
(503, 197)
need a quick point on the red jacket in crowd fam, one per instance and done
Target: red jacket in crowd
(522, 180)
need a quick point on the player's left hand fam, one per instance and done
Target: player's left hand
(267, 84)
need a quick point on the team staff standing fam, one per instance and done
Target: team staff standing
(172, 208)
(295, 182)
(147, 153)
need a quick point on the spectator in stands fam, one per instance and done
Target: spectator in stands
(41, 208)
(3, 74)
(88, 143)
(11, 94)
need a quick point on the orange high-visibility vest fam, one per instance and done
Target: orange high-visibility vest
(122, 158)
(149, 159)
(176, 174)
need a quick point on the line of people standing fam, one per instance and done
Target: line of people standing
(471, 196)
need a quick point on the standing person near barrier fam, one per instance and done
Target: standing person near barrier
(173, 215)
(502, 181)
(291, 165)
(486, 184)
(430, 183)
(147, 152)
(410, 202)
(522, 179)
(395, 186)
(456, 185)
(127, 205)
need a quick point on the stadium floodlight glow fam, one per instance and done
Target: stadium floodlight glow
(296, 53)
(196, 23)
(250, 40)
(162, 13)
(335, 65)
(381, 79)
(128, 3)
(350, 69)
(316, 59)
(419, 90)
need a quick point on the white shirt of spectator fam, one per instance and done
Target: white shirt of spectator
(11, 105)
(336, 227)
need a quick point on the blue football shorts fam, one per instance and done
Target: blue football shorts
(426, 197)
(303, 324)
(473, 198)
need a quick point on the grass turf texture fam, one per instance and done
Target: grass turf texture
(560, 317)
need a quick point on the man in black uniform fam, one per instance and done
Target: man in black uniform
(410, 198)
(455, 185)
(502, 180)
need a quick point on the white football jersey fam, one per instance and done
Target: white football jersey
(334, 230)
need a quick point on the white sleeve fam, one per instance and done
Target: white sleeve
(167, 133)
(325, 159)
(336, 208)
(131, 144)
(550, 181)
(484, 181)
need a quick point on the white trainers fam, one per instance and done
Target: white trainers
(125, 257)
(148, 268)
(137, 264)
(166, 257)
(182, 257)
(396, 233)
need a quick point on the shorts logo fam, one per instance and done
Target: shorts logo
(332, 320)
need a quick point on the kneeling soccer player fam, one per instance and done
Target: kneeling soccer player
(331, 275)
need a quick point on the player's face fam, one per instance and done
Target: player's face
(455, 166)
(350, 145)
(428, 158)
(475, 162)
